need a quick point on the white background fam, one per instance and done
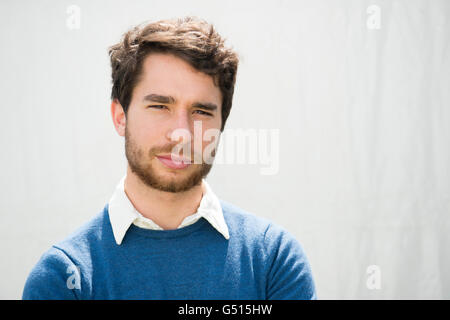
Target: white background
(363, 116)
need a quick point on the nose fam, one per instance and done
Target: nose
(180, 127)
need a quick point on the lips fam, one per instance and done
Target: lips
(174, 162)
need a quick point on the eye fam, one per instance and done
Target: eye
(204, 113)
(157, 106)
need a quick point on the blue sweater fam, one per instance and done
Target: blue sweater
(261, 260)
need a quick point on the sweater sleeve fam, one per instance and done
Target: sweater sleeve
(289, 273)
(54, 277)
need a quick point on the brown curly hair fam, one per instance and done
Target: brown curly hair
(192, 39)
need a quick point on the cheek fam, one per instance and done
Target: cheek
(209, 136)
(146, 134)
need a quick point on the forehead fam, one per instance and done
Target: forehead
(166, 74)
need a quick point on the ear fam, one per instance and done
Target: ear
(118, 117)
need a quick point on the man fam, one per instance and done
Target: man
(164, 234)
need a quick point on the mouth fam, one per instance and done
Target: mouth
(174, 162)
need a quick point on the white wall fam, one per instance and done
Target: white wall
(363, 118)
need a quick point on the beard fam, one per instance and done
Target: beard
(140, 164)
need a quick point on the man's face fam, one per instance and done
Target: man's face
(170, 96)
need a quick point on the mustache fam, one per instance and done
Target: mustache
(170, 148)
(164, 149)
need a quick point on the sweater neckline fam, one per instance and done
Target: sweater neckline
(175, 233)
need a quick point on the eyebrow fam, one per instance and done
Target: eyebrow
(169, 99)
(159, 98)
(206, 106)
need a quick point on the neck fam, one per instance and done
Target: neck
(166, 209)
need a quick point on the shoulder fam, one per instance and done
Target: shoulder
(48, 278)
(86, 237)
(288, 271)
(247, 223)
(242, 221)
(65, 261)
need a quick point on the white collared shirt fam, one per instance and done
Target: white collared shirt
(122, 213)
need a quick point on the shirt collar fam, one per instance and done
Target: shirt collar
(122, 212)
